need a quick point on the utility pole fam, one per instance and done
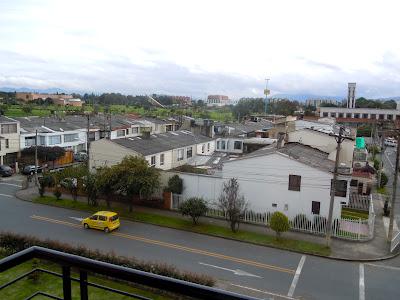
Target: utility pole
(88, 141)
(36, 158)
(266, 93)
(395, 178)
(339, 141)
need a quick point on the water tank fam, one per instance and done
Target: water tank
(360, 143)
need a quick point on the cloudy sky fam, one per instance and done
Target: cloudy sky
(200, 47)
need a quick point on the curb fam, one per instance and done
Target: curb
(337, 258)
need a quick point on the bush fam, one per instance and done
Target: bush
(57, 193)
(41, 190)
(194, 207)
(279, 223)
(12, 243)
(301, 222)
(377, 164)
(319, 224)
(384, 179)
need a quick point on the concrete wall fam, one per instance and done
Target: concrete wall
(325, 143)
(13, 140)
(229, 145)
(264, 182)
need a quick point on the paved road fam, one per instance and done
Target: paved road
(258, 271)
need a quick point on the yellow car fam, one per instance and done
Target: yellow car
(103, 220)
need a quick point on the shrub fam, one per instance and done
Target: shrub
(319, 224)
(12, 243)
(41, 190)
(57, 193)
(377, 164)
(279, 223)
(384, 179)
(301, 222)
(194, 207)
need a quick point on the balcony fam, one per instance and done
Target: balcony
(85, 266)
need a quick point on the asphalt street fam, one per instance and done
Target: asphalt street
(258, 271)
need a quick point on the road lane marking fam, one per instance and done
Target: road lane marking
(77, 219)
(263, 292)
(6, 183)
(384, 267)
(235, 272)
(296, 276)
(362, 283)
(177, 247)
(5, 195)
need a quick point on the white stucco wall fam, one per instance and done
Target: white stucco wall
(264, 182)
(325, 143)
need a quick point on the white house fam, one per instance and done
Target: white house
(52, 132)
(295, 179)
(9, 140)
(164, 151)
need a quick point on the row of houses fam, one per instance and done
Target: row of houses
(71, 132)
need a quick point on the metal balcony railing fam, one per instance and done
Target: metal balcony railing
(85, 266)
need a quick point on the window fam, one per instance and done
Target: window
(325, 114)
(153, 161)
(333, 115)
(340, 188)
(127, 131)
(161, 159)
(70, 137)
(135, 130)
(274, 205)
(294, 183)
(120, 132)
(373, 116)
(180, 154)
(29, 141)
(348, 115)
(223, 145)
(340, 115)
(356, 116)
(54, 139)
(218, 144)
(208, 147)
(93, 217)
(381, 117)
(42, 140)
(9, 128)
(189, 152)
(315, 207)
(354, 182)
(237, 145)
(365, 116)
(202, 148)
(7, 143)
(390, 117)
(102, 218)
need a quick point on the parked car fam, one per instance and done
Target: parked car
(80, 156)
(30, 170)
(103, 220)
(5, 171)
(391, 142)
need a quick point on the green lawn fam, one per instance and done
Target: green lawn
(354, 214)
(53, 285)
(183, 224)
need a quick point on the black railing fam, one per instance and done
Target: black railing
(86, 265)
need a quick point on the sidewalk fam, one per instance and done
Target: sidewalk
(375, 249)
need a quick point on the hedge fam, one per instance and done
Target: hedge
(13, 243)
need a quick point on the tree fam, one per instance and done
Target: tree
(175, 185)
(106, 182)
(232, 203)
(89, 185)
(27, 109)
(384, 179)
(194, 207)
(136, 177)
(279, 223)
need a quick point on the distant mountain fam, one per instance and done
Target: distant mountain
(29, 90)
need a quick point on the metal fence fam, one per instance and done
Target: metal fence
(343, 228)
(359, 202)
(395, 242)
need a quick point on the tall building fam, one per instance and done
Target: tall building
(217, 100)
(351, 95)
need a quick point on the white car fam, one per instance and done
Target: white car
(391, 142)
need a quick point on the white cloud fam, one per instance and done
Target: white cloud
(227, 46)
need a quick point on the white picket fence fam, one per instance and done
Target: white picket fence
(395, 242)
(344, 228)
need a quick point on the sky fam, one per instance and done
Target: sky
(203, 47)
